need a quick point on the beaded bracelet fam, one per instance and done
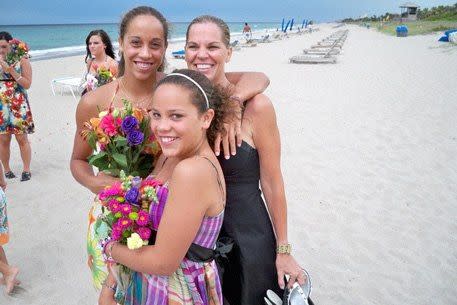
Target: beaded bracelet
(112, 287)
(104, 243)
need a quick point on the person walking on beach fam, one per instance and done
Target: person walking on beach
(9, 272)
(259, 259)
(247, 31)
(143, 37)
(99, 55)
(15, 114)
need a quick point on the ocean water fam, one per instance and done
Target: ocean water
(58, 40)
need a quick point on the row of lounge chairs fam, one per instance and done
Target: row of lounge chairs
(252, 42)
(236, 45)
(324, 51)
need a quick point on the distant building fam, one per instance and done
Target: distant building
(409, 11)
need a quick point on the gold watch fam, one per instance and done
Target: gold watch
(284, 249)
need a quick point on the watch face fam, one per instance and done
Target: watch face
(284, 249)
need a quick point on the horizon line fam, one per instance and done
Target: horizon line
(88, 23)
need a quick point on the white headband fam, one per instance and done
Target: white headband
(195, 83)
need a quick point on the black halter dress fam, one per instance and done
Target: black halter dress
(250, 269)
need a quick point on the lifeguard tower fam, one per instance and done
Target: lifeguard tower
(408, 11)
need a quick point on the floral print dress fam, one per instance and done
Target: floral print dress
(4, 236)
(15, 114)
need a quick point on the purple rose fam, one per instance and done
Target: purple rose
(132, 195)
(136, 181)
(135, 137)
(129, 124)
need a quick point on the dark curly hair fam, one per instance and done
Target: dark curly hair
(106, 41)
(218, 98)
(5, 36)
(125, 22)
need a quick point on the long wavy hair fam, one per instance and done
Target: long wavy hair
(106, 41)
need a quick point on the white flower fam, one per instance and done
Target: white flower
(134, 241)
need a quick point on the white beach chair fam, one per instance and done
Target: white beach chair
(235, 45)
(331, 51)
(70, 82)
(312, 59)
(264, 39)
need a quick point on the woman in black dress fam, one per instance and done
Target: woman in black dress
(259, 259)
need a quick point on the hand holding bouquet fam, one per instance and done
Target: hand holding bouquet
(102, 77)
(122, 141)
(105, 76)
(18, 49)
(126, 209)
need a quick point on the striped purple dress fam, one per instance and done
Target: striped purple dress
(194, 283)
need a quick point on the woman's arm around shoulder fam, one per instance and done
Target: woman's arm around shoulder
(248, 84)
(189, 200)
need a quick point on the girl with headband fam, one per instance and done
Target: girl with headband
(187, 113)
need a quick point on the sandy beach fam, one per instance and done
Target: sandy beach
(369, 161)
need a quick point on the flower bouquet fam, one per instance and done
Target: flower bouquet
(102, 77)
(105, 76)
(126, 209)
(18, 49)
(122, 141)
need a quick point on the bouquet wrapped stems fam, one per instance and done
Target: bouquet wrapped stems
(123, 276)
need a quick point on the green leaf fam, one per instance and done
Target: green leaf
(92, 140)
(99, 160)
(120, 159)
(120, 141)
(112, 172)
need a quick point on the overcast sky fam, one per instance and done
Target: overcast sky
(103, 11)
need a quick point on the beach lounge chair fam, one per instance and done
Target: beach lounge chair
(265, 39)
(71, 83)
(235, 45)
(332, 51)
(249, 44)
(181, 54)
(312, 59)
(276, 36)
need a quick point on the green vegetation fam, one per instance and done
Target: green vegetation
(435, 19)
(439, 13)
(417, 27)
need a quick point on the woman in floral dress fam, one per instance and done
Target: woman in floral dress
(15, 115)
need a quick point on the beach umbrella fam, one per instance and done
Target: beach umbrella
(282, 25)
(287, 25)
(291, 24)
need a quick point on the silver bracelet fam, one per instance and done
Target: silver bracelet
(19, 78)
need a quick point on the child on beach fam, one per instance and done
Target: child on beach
(9, 272)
